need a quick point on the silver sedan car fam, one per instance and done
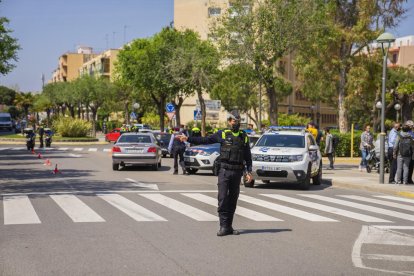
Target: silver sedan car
(136, 149)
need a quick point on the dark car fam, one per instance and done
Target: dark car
(164, 139)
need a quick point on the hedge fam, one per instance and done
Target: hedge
(344, 146)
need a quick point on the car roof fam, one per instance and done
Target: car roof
(138, 133)
(295, 133)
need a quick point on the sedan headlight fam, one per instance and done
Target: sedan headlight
(204, 153)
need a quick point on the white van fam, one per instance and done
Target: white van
(6, 121)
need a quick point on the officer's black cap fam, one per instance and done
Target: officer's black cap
(234, 114)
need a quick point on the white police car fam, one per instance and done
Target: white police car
(287, 154)
(202, 157)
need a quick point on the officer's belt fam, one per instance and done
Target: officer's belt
(231, 167)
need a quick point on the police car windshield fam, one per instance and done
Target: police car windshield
(281, 141)
(134, 139)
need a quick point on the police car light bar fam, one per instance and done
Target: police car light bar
(278, 128)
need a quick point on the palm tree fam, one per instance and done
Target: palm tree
(24, 101)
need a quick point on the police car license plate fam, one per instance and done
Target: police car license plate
(270, 168)
(188, 159)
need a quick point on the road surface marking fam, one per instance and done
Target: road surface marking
(398, 198)
(93, 149)
(284, 209)
(180, 207)
(77, 149)
(19, 148)
(326, 208)
(241, 211)
(381, 202)
(143, 185)
(3, 149)
(19, 210)
(107, 191)
(392, 258)
(107, 150)
(63, 149)
(130, 208)
(75, 155)
(363, 207)
(76, 209)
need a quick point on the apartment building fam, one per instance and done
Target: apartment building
(102, 65)
(197, 15)
(402, 52)
(69, 64)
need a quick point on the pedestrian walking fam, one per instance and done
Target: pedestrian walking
(177, 149)
(329, 149)
(392, 137)
(403, 152)
(235, 156)
(410, 123)
(365, 146)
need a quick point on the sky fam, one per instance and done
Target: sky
(46, 29)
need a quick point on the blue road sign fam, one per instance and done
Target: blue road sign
(170, 107)
(197, 114)
(133, 115)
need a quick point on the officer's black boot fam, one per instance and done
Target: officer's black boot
(175, 172)
(224, 232)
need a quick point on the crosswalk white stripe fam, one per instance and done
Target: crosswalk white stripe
(18, 148)
(397, 198)
(241, 211)
(381, 202)
(180, 207)
(78, 149)
(19, 210)
(107, 150)
(135, 211)
(363, 207)
(93, 149)
(327, 208)
(284, 209)
(77, 210)
(3, 149)
(63, 149)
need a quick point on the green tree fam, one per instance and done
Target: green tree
(236, 87)
(340, 32)
(7, 95)
(262, 33)
(8, 47)
(24, 101)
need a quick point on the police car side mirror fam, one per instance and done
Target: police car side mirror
(251, 144)
(313, 148)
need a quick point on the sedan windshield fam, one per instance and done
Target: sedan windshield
(134, 139)
(282, 141)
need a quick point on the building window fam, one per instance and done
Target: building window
(394, 58)
(299, 96)
(213, 11)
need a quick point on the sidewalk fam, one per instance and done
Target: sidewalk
(346, 175)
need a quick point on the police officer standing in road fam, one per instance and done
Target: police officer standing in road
(235, 155)
(177, 148)
(41, 133)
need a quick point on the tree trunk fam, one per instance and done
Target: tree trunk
(161, 106)
(79, 110)
(177, 107)
(407, 111)
(87, 112)
(48, 116)
(273, 108)
(126, 110)
(203, 111)
(72, 111)
(342, 110)
(94, 112)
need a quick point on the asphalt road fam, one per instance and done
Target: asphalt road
(90, 220)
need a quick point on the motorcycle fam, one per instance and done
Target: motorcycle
(30, 138)
(48, 138)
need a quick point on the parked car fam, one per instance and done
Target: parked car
(287, 154)
(164, 139)
(133, 149)
(113, 135)
(6, 121)
(202, 158)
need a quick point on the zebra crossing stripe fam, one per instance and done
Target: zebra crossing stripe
(326, 208)
(241, 211)
(397, 198)
(93, 149)
(180, 207)
(63, 149)
(130, 208)
(3, 149)
(107, 150)
(77, 149)
(285, 209)
(362, 207)
(381, 202)
(19, 210)
(76, 209)
(19, 148)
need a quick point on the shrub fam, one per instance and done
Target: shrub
(344, 146)
(69, 127)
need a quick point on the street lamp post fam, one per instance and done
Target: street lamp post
(397, 108)
(385, 40)
(378, 105)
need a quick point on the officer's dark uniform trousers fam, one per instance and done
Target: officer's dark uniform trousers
(228, 193)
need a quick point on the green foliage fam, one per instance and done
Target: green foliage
(292, 120)
(152, 119)
(7, 95)
(14, 112)
(344, 146)
(69, 127)
(8, 48)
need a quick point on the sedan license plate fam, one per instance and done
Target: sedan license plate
(188, 159)
(134, 150)
(270, 168)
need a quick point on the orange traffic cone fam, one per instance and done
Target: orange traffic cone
(39, 156)
(56, 171)
(47, 163)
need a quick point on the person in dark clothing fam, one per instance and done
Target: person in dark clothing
(392, 137)
(177, 149)
(41, 133)
(235, 156)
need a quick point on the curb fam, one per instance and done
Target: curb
(343, 185)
